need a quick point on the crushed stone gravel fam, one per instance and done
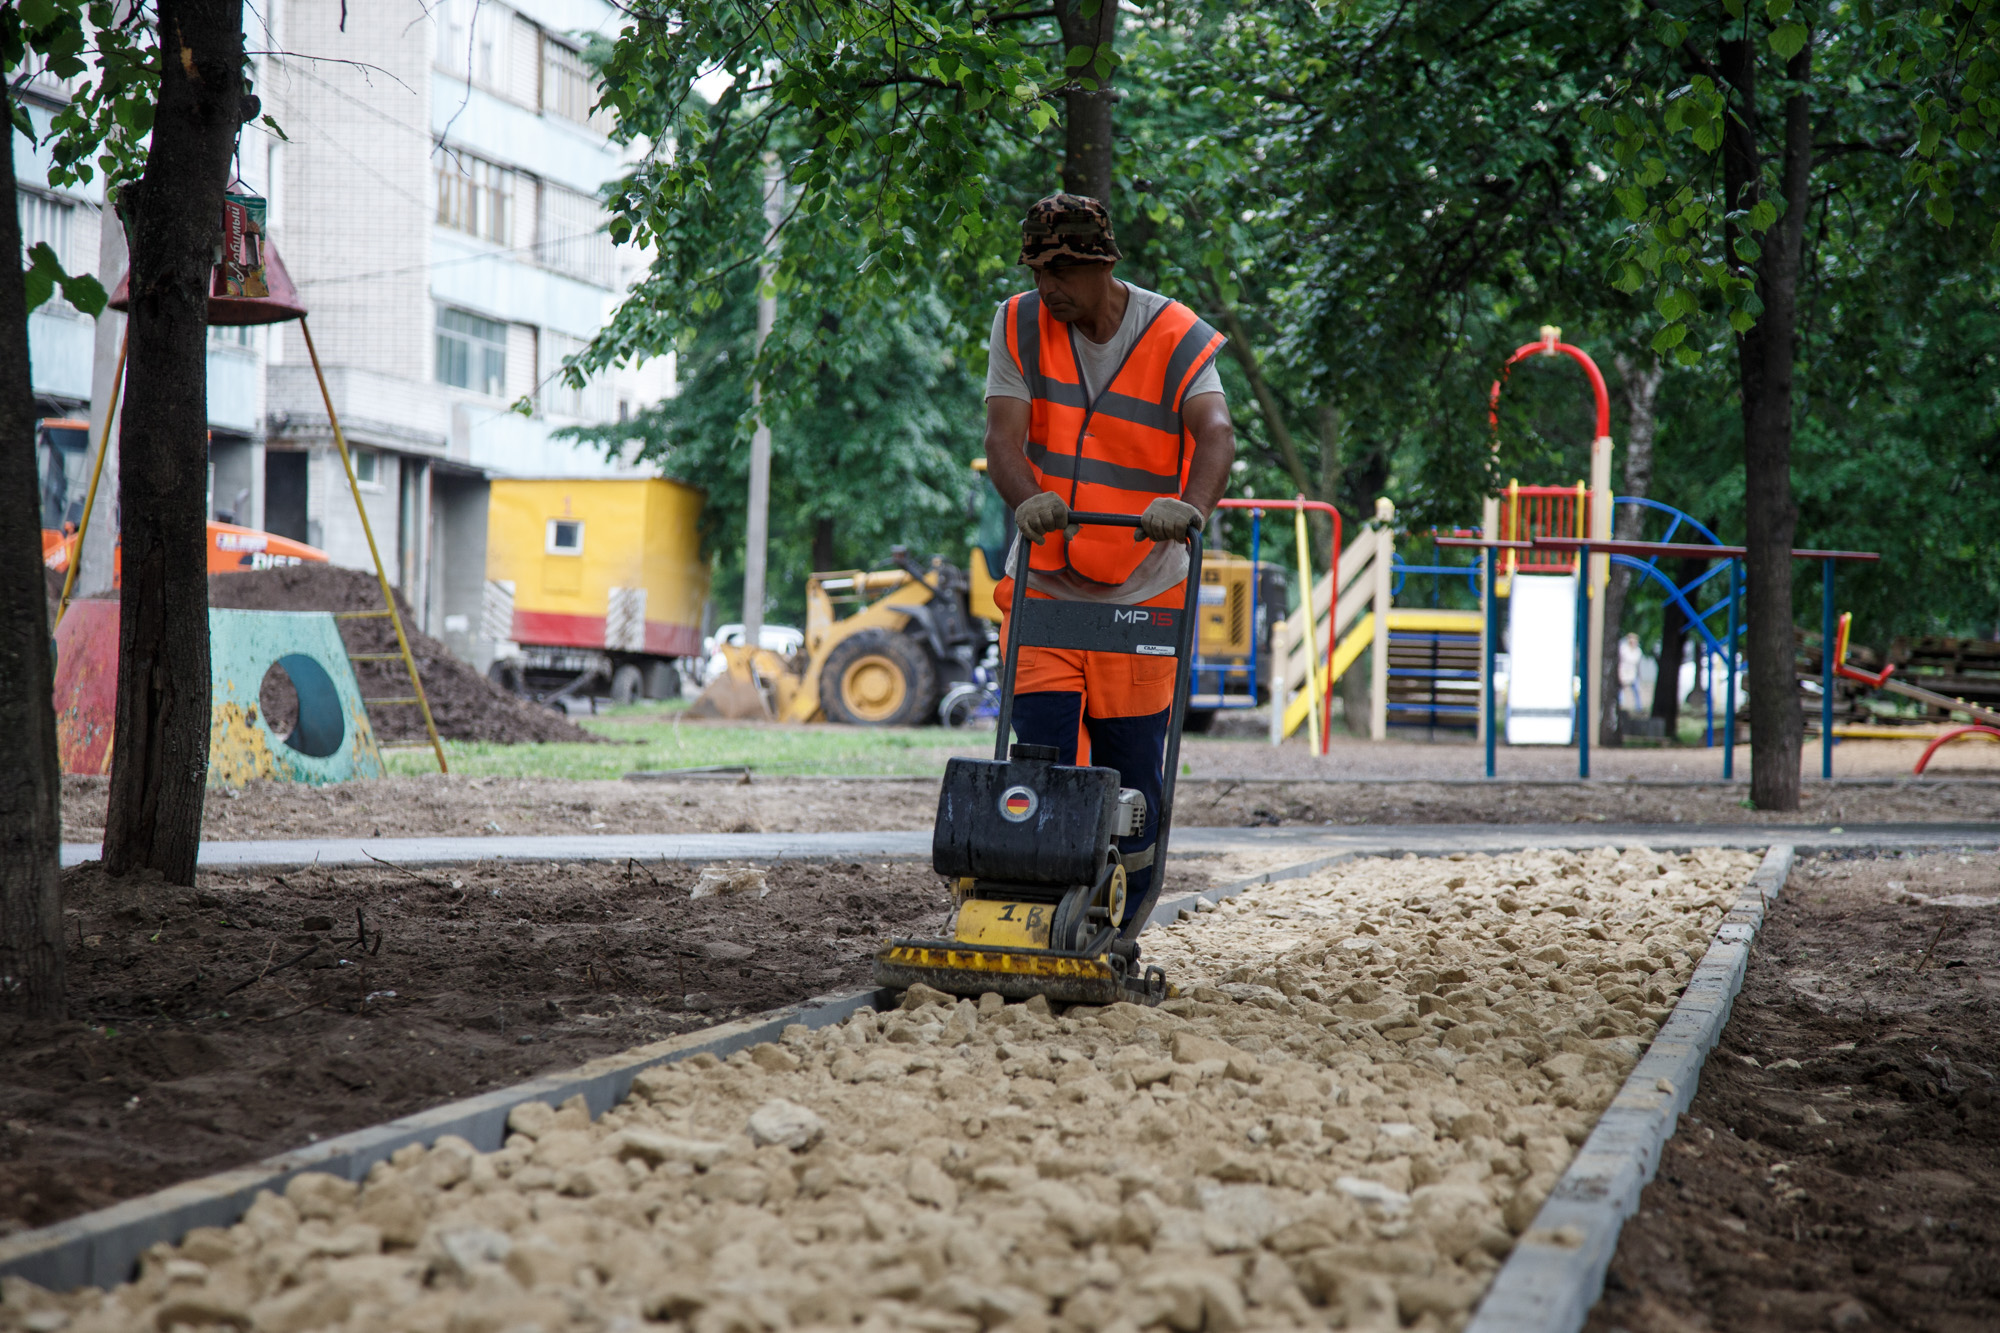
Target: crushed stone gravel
(1373, 1078)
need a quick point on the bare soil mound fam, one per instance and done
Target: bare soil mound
(1840, 1167)
(466, 706)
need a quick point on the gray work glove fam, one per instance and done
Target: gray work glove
(1041, 514)
(1167, 520)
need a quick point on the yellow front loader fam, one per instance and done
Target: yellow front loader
(882, 646)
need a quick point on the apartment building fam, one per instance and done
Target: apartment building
(434, 197)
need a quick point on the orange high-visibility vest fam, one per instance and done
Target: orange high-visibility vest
(1120, 453)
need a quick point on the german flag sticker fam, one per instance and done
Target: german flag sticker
(1017, 804)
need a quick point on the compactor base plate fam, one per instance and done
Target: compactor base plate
(1017, 974)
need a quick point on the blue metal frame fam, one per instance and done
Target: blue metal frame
(1472, 574)
(1698, 621)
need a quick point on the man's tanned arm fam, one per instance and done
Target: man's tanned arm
(1006, 450)
(1206, 417)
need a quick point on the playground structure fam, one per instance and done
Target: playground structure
(326, 738)
(1547, 553)
(1986, 722)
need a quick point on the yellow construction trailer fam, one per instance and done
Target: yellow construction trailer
(593, 583)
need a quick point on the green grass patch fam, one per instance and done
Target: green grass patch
(652, 736)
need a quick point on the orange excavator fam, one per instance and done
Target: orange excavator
(231, 547)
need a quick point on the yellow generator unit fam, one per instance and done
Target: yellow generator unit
(1232, 666)
(593, 582)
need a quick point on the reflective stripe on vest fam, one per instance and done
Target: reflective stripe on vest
(1115, 455)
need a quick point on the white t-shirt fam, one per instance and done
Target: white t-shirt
(1097, 361)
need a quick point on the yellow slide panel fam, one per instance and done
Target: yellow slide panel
(1414, 619)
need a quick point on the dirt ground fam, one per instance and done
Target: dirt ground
(246, 1016)
(464, 704)
(1840, 1167)
(1409, 754)
(455, 805)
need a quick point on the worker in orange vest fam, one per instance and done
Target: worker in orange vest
(1101, 397)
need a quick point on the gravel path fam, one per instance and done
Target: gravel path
(1375, 1076)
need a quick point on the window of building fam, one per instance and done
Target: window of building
(474, 196)
(367, 467)
(471, 351)
(565, 536)
(44, 220)
(232, 335)
(569, 87)
(470, 34)
(593, 402)
(571, 237)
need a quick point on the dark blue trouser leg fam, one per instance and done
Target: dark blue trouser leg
(1135, 746)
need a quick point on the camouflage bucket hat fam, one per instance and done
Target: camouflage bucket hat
(1067, 229)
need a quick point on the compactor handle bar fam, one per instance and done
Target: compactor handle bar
(1078, 518)
(1182, 634)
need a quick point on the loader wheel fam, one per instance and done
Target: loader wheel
(628, 682)
(878, 679)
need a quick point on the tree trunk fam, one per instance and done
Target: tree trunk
(1087, 151)
(1640, 389)
(1332, 452)
(1667, 685)
(823, 552)
(1673, 651)
(173, 217)
(1764, 357)
(31, 946)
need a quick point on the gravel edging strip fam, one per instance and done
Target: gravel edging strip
(1556, 1270)
(101, 1248)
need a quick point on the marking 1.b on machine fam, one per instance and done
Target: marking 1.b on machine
(985, 921)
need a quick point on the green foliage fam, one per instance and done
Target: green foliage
(107, 118)
(893, 126)
(111, 49)
(876, 447)
(1393, 197)
(45, 273)
(1388, 199)
(1904, 105)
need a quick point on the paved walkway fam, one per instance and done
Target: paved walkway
(1308, 841)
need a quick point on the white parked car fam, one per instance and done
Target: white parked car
(780, 639)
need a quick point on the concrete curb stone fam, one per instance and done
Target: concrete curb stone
(907, 845)
(101, 1248)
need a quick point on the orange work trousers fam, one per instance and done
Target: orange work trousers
(1112, 684)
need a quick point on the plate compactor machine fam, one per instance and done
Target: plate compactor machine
(1032, 844)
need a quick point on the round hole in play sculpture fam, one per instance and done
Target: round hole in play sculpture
(301, 706)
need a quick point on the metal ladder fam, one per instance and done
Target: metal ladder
(388, 610)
